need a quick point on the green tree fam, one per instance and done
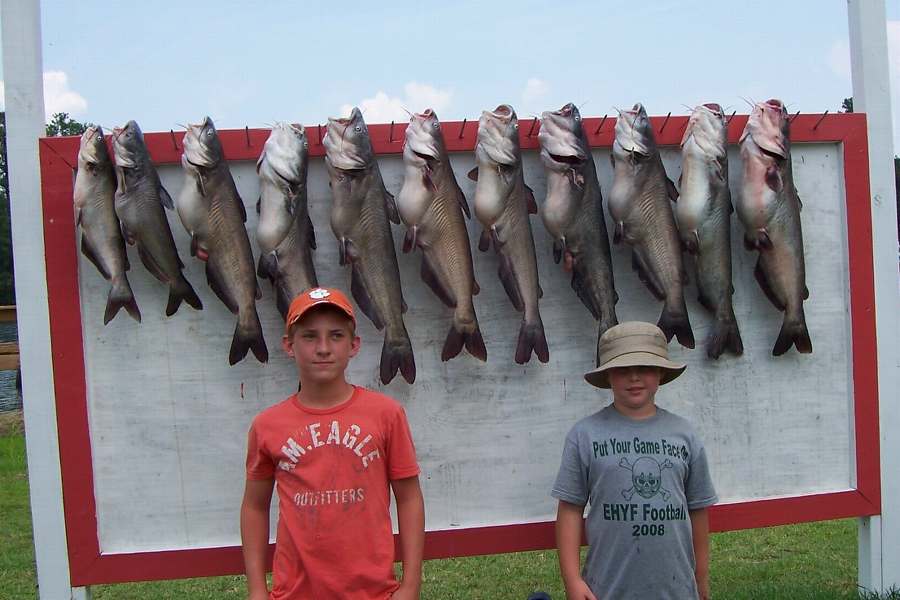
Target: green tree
(847, 105)
(60, 124)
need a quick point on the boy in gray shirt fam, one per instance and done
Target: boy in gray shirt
(644, 472)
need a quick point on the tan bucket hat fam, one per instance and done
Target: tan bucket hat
(633, 344)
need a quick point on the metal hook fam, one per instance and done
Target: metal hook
(174, 143)
(533, 123)
(728, 122)
(791, 119)
(320, 134)
(247, 134)
(600, 126)
(391, 133)
(663, 128)
(822, 118)
(462, 130)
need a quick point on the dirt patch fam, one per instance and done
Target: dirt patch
(12, 423)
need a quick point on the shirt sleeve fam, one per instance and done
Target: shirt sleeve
(401, 458)
(259, 462)
(572, 479)
(699, 489)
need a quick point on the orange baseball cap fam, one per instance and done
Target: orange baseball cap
(316, 297)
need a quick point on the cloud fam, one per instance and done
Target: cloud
(57, 96)
(416, 97)
(839, 59)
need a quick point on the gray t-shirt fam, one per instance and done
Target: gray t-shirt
(641, 477)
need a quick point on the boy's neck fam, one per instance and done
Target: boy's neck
(637, 413)
(320, 396)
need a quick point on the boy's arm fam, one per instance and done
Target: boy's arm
(255, 535)
(700, 535)
(569, 525)
(411, 521)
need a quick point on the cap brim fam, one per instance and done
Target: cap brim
(599, 377)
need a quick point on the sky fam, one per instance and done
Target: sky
(254, 63)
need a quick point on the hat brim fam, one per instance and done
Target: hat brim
(599, 377)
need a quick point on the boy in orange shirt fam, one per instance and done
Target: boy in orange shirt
(336, 451)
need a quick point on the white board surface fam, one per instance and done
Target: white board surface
(168, 417)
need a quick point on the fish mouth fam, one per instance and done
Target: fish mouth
(424, 156)
(715, 108)
(566, 159)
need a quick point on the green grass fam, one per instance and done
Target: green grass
(815, 561)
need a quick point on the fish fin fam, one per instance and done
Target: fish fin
(530, 201)
(259, 205)
(165, 198)
(582, 289)
(200, 186)
(362, 297)
(532, 339)
(461, 198)
(431, 278)
(799, 202)
(344, 251)
(757, 240)
(312, 232)
(248, 336)
(151, 265)
(409, 240)
(77, 216)
(618, 233)
(540, 291)
(390, 205)
(258, 291)
(805, 293)
(793, 333)
(691, 242)
(260, 160)
(559, 246)
(473, 174)
(773, 179)
(671, 190)
(612, 160)
(397, 355)
(508, 278)
(290, 200)
(475, 288)
(91, 255)
(721, 164)
(469, 337)
(647, 276)
(121, 183)
(179, 291)
(127, 235)
(121, 296)
(241, 207)
(675, 323)
(267, 267)
(484, 241)
(705, 302)
(217, 284)
(282, 301)
(427, 181)
(724, 337)
(195, 244)
(766, 287)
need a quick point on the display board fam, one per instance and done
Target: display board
(152, 420)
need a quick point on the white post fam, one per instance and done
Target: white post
(23, 71)
(879, 550)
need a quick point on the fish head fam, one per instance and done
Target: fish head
(634, 134)
(347, 143)
(423, 136)
(286, 152)
(202, 146)
(708, 129)
(498, 136)
(561, 138)
(92, 148)
(128, 144)
(769, 128)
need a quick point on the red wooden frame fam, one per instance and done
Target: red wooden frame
(89, 566)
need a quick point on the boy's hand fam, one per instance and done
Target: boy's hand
(703, 587)
(406, 592)
(579, 590)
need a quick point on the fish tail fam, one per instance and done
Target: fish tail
(531, 338)
(248, 336)
(464, 334)
(675, 323)
(793, 333)
(121, 296)
(397, 355)
(180, 291)
(724, 336)
(608, 321)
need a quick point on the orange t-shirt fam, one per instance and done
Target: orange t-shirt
(332, 469)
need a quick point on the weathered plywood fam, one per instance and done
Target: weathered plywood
(168, 416)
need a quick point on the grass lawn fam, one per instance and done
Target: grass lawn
(799, 562)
